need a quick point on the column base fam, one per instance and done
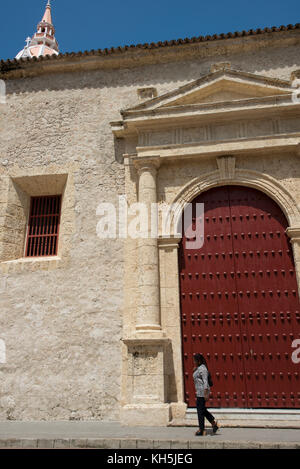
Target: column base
(149, 415)
(178, 410)
(149, 331)
(148, 327)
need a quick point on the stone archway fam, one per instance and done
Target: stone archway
(242, 177)
(168, 252)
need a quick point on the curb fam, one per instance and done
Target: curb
(133, 443)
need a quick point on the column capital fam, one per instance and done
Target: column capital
(146, 163)
(294, 233)
(169, 242)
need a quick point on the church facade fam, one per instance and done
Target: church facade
(106, 329)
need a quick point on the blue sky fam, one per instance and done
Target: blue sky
(95, 24)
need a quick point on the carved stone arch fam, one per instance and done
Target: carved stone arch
(242, 177)
(227, 174)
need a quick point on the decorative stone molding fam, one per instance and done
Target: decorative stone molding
(242, 84)
(177, 137)
(144, 139)
(134, 342)
(216, 132)
(294, 233)
(243, 129)
(169, 242)
(146, 163)
(276, 125)
(226, 165)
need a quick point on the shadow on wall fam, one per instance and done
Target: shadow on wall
(119, 147)
(170, 383)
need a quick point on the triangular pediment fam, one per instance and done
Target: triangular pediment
(222, 90)
(222, 86)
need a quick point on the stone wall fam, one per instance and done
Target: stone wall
(62, 319)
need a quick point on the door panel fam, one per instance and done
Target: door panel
(267, 291)
(239, 302)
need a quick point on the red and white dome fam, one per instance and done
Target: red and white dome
(43, 42)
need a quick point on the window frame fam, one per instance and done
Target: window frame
(44, 235)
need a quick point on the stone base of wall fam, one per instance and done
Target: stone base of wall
(152, 415)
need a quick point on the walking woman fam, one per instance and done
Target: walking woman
(202, 387)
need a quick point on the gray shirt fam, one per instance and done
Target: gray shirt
(201, 380)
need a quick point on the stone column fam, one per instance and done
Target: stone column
(148, 314)
(294, 234)
(144, 400)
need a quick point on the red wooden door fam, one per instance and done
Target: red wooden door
(239, 302)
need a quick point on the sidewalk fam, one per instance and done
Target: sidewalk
(111, 435)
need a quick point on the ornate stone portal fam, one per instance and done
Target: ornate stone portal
(228, 127)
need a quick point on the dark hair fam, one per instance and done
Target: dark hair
(200, 359)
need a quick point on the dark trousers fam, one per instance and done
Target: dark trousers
(203, 412)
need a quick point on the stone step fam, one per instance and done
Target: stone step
(246, 418)
(245, 423)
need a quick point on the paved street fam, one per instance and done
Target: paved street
(113, 435)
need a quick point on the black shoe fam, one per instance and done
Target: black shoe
(200, 433)
(215, 426)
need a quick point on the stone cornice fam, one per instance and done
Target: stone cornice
(198, 114)
(255, 105)
(266, 145)
(135, 56)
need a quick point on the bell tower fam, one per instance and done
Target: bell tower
(43, 42)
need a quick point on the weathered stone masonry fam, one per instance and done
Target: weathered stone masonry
(63, 318)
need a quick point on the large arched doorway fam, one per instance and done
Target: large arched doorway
(239, 302)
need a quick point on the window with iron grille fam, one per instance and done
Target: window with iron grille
(43, 226)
